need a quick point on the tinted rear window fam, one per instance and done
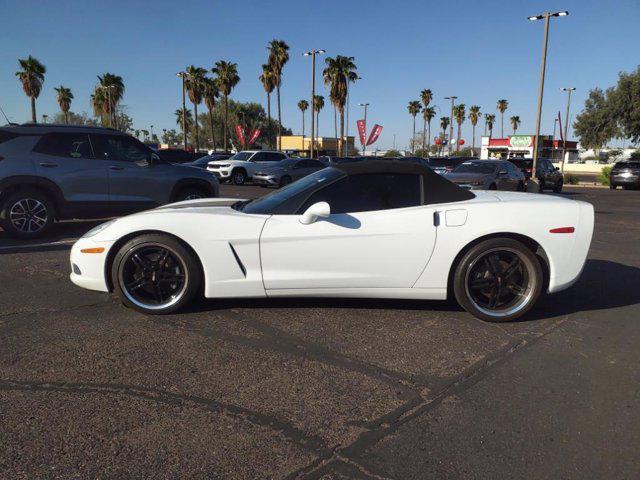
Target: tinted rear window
(627, 165)
(66, 145)
(521, 162)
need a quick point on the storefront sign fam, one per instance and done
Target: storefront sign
(520, 141)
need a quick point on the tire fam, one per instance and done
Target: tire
(493, 186)
(238, 176)
(558, 187)
(191, 193)
(27, 214)
(502, 296)
(542, 186)
(521, 187)
(613, 187)
(286, 180)
(148, 284)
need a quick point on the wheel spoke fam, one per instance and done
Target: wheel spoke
(494, 264)
(139, 261)
(139, 283)
(510, 269)
(481, 283)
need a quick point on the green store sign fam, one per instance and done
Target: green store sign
(520, 141)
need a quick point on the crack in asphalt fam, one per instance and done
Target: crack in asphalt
(308, 442)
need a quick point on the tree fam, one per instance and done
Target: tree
(171, 137)
(268, 80)
(210, 93)
(503, 104)
(474, 116)
(74, 118)
(414, 108)
(515, 123)
(318, 104)
(188, 119)
(64, 97)
(31, 75)
(624, 103)
(426, 96)
(489, 120)
(338, 72)
(597, 123)
(194, 83)
(303, 105)
(227, 78)
(106, 96)
(459, 114)
(278, 57)
(444, 124)
(428, 114)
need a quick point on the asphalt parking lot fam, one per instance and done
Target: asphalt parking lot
(318, 388)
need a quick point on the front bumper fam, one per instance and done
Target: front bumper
(88, 269)
(220, 173)
(469, 186)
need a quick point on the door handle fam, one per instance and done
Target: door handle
(48, 164)
(115, 167)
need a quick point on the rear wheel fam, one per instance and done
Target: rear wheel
(493, 186)
(542, 186)
(498, 280)
(521, 187)
(27, 214)
(155, 274)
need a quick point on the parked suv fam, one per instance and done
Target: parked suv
(54, 172)
(241, 167)
(625, 174)
(549, 177)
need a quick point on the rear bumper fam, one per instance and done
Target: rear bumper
(625, 180)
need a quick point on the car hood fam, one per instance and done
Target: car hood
(467, 177)
(200, 203)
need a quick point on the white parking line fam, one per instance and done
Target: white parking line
(70, 241)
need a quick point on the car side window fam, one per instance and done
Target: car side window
(119, 148)
(68, 145)
(369, 192)
(272, 157)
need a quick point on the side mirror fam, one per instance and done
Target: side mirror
(320, 209)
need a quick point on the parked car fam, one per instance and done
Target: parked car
(548, 176)
(416, 160)
(327, 159)
(626, 175)
(241, 167)
(203, 162)
(366, 229)
(442, 165)
(55, 172)
(176, 155)
(488, 175)
(286, 171)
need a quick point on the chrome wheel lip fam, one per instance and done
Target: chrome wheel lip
(194, 196)
(524, 299)
(26, 212)
(153, 307)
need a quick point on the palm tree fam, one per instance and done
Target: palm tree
(426, 96)
(227, 77)
(278, 57)
(459, 115)
(444, 124)
(428, 114)
(268, 80)
(64, 98)
(188, 119)
(106, 95)
(210, 92)
(515, 123)
(503, 104)
(474, 116)
(318, 104)
(414, 108)
(303, 105)
(31, 76)
(337, 73)
(194, 81)
(489, 120)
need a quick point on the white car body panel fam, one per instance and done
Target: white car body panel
(400, 253)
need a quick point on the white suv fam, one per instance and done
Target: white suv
(241, 167)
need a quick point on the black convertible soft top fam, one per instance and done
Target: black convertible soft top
(437, 189)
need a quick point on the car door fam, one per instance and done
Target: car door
(377, 235)
(134, 181)
(503, 181)
(67, 159)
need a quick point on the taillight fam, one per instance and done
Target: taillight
(563, 230)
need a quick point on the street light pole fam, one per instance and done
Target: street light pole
(312, 54)
(536, 142)
(452, 98)
(566, 125)
(182, 75)
(555, 123)
(364, 145)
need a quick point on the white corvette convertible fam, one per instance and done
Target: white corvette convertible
(379, 229)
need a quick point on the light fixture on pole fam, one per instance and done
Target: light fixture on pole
(364, 145)
(183, 75)
(313, 54)
(566, 125)
(452, 98)
(536, 141)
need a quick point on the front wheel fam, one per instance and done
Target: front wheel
(558, 187)
(155, 274)
(191, 193)
(498, 280)
(238, 176)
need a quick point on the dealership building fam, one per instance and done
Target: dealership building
(521, 146)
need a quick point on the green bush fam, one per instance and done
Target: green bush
(392, 153)
(571, 179)
(635, 156)
(604, 177)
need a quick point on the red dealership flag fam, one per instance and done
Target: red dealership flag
(254, 136)
(362, 130)
(375, 133)
(240, 134)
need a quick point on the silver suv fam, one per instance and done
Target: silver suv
(54, 172)
(241, 167)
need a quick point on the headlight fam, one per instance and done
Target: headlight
(96, 230)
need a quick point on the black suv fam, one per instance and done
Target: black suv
(54, 172)
(549, 177)
(625, 174)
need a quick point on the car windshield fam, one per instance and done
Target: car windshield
(242, 156)
(476, 167)
(268, 203)
(627, 165)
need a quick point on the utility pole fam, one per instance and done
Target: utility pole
(312, 54)
(182, 75)
(566, 125)
(364, 145)
(452, 98)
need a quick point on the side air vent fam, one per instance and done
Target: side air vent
(240, 264)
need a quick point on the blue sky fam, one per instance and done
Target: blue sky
(478, 50)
